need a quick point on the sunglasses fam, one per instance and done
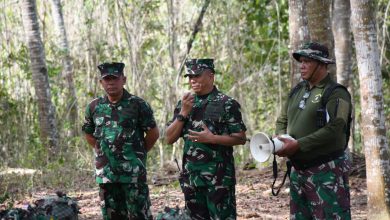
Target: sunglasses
(302, 103)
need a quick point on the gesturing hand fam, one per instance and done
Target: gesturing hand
(187, 101)
(204, 136)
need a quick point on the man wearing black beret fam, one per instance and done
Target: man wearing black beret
(121, 128)
(210, 124)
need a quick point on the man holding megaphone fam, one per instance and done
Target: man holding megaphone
(317, 115)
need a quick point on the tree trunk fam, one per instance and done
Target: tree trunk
(299, 33)
(172, 19)
(309, 20)
(373, 119)
(173, 11)
(46, 111)
(71, 98)
(341, 12)
(319, 26)
(342, 40)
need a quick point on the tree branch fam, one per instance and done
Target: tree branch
(196, 29)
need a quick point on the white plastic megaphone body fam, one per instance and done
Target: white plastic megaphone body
(262, 147)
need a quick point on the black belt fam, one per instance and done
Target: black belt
(304, 164)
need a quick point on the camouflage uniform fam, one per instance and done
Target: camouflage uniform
(208, 169)
(319, 179)
(321, 192)
(121, 155)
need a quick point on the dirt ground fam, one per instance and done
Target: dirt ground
(254, 198)
(253, 193)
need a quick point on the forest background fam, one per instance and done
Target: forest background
(249, 40)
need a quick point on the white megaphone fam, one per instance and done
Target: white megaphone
(262, 147)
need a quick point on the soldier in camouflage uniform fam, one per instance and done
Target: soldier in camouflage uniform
(210, 124)
(121, 128)
(319, 178)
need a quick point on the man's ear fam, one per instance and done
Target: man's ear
(212, 75)
(124, 80)
(323, 65)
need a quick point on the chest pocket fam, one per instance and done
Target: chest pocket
(99, 121)
(128, 120)
(213, 117)
(214, 111)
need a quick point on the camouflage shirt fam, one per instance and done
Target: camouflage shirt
(119, 130)
(211, 164)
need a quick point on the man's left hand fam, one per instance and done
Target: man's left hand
(205, 136)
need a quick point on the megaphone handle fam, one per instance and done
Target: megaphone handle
(274, 163)
(273, 144)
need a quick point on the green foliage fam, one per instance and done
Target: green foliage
(4, 197)
(265, 25)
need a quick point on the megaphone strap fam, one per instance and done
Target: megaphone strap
(275, 172)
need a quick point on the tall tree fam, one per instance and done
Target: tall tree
(46, 110)
(67, 64)
(373, 119)
(319, 26)
(341, 12)
(342, 40)
(298, 28)
(309, 20)
(173, 7)
(172, 19)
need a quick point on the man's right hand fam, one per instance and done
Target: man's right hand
(174, 130)
(91, 140)
(289, 147)
(187, 101)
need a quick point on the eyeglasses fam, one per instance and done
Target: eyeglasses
(302, 103)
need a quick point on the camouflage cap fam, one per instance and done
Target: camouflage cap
(197, 66)
(314, 51)
(111, 69)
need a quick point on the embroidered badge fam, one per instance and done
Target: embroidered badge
(317, 98)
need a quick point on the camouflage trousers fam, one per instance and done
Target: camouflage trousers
(321, 192)
(211, 202)
(125, 201)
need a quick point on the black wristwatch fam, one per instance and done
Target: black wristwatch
(180, 117)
